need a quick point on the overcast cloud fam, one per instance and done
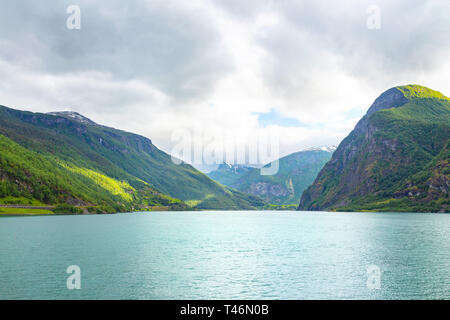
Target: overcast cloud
(155, 67)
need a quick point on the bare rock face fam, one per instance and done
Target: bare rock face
(77, 202)
(391, 98)
(268, 189)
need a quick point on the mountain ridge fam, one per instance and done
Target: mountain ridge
(397, 139)
(101, 153)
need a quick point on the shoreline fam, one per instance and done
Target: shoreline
(214, 210)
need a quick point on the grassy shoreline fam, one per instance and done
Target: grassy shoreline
(24, 211)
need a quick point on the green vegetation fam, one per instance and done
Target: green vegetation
(291, 207)
(32, 179)
(396, 159)
(416, 91)
(67, 208)
(117, 188)
(21, 200)
(51, 159)
(21, 211)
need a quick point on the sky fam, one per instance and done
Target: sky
(221, 74)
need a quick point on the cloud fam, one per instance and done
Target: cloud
(308, 68)
(319, 53)
(174, 47)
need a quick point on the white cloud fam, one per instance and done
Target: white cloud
(153, 67)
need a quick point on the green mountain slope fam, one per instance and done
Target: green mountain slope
(396, 158)
(125, 168)
(30, 178)
(296, 172)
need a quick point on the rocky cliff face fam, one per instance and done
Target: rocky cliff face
(375, 166)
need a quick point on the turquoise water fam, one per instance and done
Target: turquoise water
(226, 255)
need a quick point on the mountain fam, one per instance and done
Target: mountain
(65, 158)
(396, 158)
(73, 116)
(296, 172)
(228, 174)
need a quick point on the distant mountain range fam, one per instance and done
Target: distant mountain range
(396, 158)
(64, 159)
(296, 172)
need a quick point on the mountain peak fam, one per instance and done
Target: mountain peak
(72, 115)
(414, 91)
(391, 98)
(398, 96)
(322, 148)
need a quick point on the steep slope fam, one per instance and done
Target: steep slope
(84, 148)
(296, 172)
(396, 158)
(30, 178)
